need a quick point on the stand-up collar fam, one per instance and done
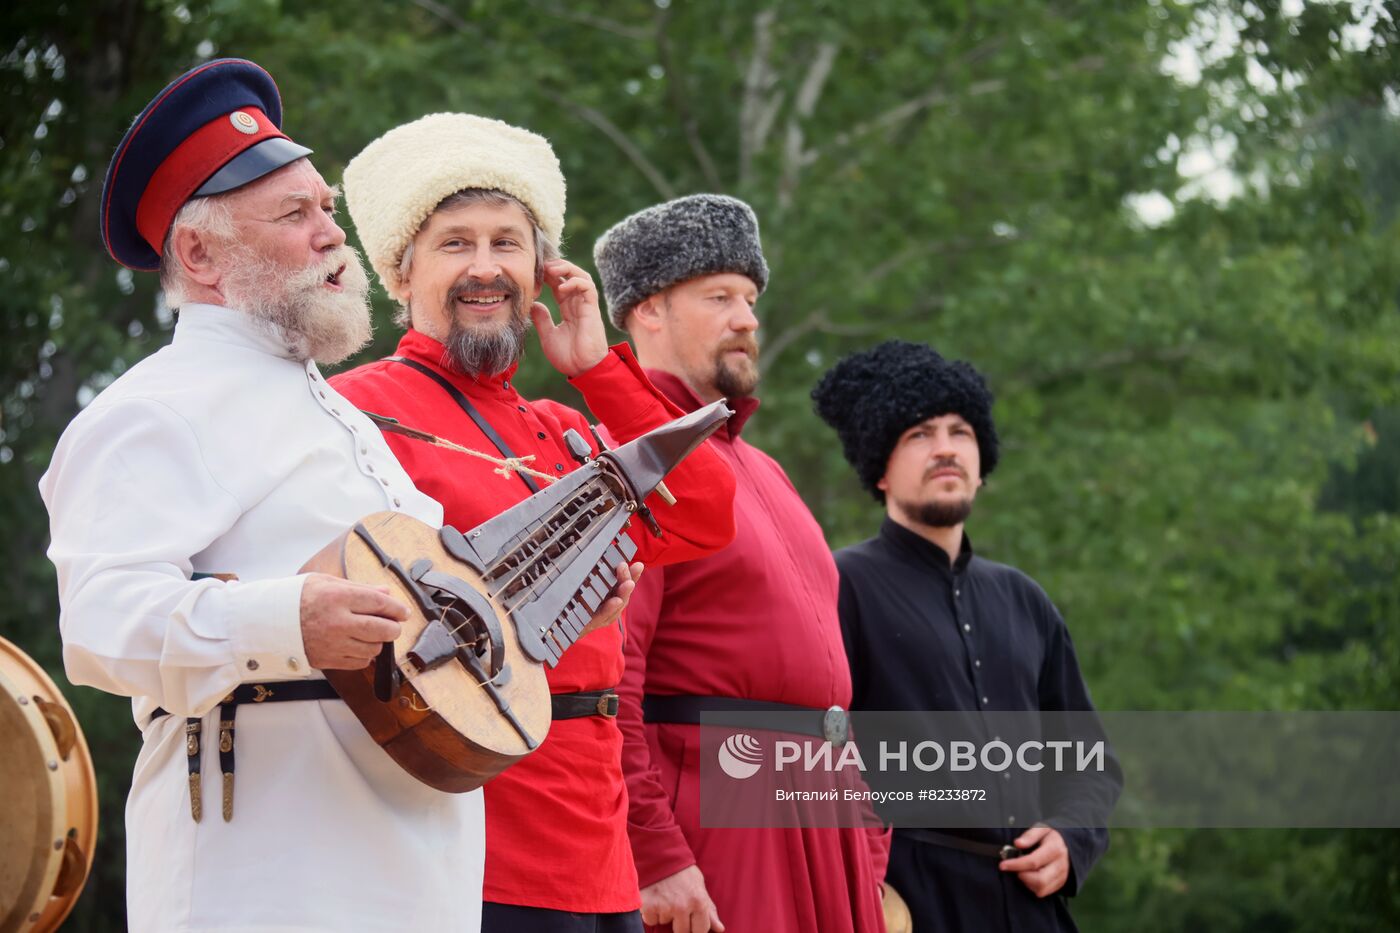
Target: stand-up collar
(675, 388)
(922, 549)
(233, 327)
(418, 346)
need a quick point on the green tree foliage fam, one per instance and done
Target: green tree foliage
(1165, 230)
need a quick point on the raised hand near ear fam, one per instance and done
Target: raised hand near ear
(579, 341)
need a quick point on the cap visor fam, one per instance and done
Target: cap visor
(251, 164)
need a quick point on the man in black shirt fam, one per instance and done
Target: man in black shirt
(929, 625)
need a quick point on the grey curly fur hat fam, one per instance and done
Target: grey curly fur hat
(872, 397)
(700, 234)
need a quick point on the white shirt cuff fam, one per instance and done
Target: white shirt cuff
(265, 625)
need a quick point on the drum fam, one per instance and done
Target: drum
(48, 799)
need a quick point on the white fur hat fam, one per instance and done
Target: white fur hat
(395, 182)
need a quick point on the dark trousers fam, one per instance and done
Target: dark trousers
(508, 918)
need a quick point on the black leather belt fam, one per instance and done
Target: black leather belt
(274, 692)
(829, 724)
(563, 706)
(587, 703)
(963, 844)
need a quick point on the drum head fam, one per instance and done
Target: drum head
(48, 823)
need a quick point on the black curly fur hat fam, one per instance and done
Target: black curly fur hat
(872, 397)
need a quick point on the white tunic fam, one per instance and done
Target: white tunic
(222, 454)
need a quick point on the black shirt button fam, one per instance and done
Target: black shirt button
(559, 467)
(539, 434)
(521, 407)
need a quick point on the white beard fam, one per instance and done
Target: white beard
(322, 325)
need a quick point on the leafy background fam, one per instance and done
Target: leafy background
(1166, 231)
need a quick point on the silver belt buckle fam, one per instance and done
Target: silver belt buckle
(836, 727)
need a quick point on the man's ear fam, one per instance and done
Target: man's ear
(195, 254)
(646, 315)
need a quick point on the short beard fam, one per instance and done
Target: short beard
(735, 381)
(315, 322)
(475, 351)
(937, 514)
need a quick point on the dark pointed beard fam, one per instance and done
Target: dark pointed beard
(477, 351)
(937, 514)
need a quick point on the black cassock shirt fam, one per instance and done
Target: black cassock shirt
(973, 635)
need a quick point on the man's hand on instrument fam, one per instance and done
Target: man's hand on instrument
(682, 901)
(579, 341)
(1045, 868)
(343, 624)
(627, 577)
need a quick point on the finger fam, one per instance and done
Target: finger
(362, 647)
(681, 924)
(373, 630)
(575, 281)
(1029, 862)
(544, 321)
(1031, 836)
(622, 592)
(558, 268)
(714, 920)
(622, 572)
(637, 568)
(574, 289)
(370, 601)
(1040, 882)
(343, 663)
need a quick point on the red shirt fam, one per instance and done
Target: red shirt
(556, 831)
(756, 621)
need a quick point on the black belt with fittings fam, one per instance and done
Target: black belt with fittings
(963, 844)
(829, 724)
(564, 705)
(274, 692)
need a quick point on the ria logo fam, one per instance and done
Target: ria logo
(740, 756)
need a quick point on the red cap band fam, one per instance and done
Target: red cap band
(203, 153)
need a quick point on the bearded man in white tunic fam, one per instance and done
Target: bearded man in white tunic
(227, 453)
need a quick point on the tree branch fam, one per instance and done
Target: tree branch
(935, 97)
(1115, 359)
(680, 98)
(804, 106)
(620, 139)
(446, 14)
(588, 19)
(757, 112)
(819, 322)
(935, 248)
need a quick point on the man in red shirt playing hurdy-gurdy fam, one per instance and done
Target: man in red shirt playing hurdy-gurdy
(460, 216)
(752, 628)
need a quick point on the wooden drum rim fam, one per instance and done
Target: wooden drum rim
(65, 858)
